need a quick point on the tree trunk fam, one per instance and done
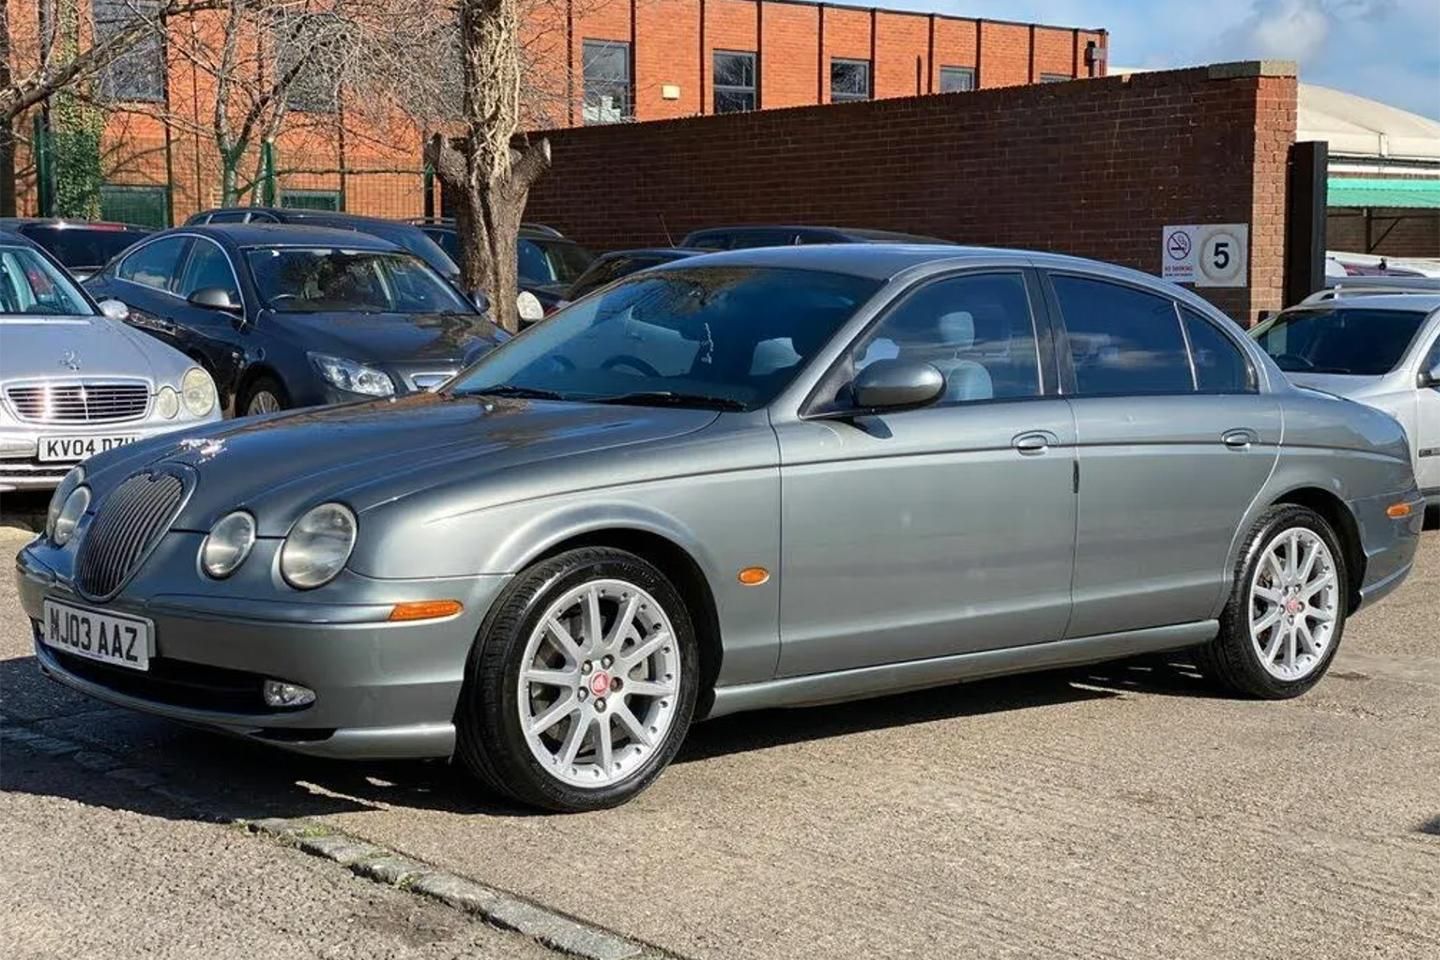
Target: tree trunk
(229, 180)
(7, 167)
(487, 217)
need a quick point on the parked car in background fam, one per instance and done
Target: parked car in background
(1380, 349)
(548, 263)
(292, 316)
(609, 267)
(403, 235)
(755, 479)
(81, 246)
(74, 379)
(763, 235)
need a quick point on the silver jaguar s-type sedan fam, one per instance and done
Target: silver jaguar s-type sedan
(74, 379)
(760, 478)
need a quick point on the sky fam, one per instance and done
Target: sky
(1388, 50)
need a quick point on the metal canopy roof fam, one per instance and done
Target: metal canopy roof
(1373, 192)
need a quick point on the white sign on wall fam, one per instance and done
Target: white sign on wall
(1210, 255)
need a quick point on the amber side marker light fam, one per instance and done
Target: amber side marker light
(754, 576)
(1398, 511)
(425, 609)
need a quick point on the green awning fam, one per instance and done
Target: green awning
(1373, 192)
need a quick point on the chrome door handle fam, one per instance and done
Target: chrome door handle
(1239, 439)
(1034, 443)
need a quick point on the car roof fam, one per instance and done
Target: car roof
(883, 261)
(861, 234)
(8, 235)
(675, 252)
(109, 226)
(1411, 302)
(288, 234)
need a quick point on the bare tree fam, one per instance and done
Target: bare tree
(485, 176)
(26, 82)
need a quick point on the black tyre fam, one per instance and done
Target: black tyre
(263, 395)
(582, 683)
(1286, 613)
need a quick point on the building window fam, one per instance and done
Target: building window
(1055, 78)
(144, 206)
(607, 81)
(849, 80)
(956, 79)
(139, 73)
(310, 199)
(734, 82)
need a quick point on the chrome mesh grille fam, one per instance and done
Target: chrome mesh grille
(83, 402)
(127, 525)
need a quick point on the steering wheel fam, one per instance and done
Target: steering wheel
(634, 363)
(284, 296)
(1291, 361)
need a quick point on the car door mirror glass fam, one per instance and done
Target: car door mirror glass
(214, 298)
(480, 300)
(1431, 377)
(897, 385)
(114, 309)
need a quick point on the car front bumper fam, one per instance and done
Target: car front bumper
(21, 468)
(382, 689)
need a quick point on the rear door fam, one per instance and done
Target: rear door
(145, 280)
(1174, 442)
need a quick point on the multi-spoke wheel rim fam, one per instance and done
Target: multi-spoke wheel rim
(263, 402)
(1294, 603)
(599, 683)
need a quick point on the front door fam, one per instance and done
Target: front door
(1174, 443)
(1427, 429)
(937, 531)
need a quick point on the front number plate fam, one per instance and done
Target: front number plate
(122, 641)
(74, 449)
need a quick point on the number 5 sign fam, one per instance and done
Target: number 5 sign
(1214, 255)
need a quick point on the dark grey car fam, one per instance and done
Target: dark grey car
(753, 479)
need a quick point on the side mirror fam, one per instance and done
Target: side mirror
(529, 308)
(214, 298)
(115, 310)
(1431, 377)
(890, 385)
(481, 301)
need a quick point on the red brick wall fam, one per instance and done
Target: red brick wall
(1095, 169)
(791, 32)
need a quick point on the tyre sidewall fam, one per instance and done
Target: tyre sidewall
(494, 680)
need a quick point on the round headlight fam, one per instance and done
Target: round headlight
(197, 390)
(227, 544)
(73, 479)
(65, 522)
(167, 403)
(318, 546)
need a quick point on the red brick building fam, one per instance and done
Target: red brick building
(660, 59)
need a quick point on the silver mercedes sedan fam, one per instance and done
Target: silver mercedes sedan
(753, 479)
(74, 379)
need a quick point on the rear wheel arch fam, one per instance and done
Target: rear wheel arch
(1343, 522)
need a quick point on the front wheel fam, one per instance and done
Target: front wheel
(582, 684)
(1286, 614)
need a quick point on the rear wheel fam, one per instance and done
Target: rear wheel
(583, 682)
(1282, 626)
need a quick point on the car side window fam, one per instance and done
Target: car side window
(1122, 340)
(228, 216)
(1434, 358)
(155, 264)
(977, 330)
(208, 267)
(1220, 366)
(710, 241)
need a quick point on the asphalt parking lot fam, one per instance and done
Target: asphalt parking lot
(1124, 811)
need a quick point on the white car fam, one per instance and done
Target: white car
(75, 380)
(1379, 349)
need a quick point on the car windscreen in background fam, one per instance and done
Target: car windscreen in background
(1346, 340)
(82, 246)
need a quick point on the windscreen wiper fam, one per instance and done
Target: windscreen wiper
(519, 392)
(671, 398)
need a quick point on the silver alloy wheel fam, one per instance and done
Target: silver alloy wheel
(1294, 603)
(262, 402)
(598, 683)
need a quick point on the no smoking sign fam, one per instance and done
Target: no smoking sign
(1210, 255)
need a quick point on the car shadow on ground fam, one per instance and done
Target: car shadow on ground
(230, 779)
